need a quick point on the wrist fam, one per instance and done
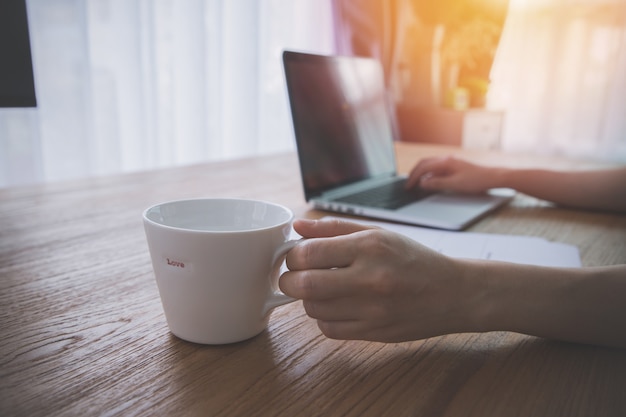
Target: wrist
(514, 297)
(480, 294)
(501, 178)
(497, 295)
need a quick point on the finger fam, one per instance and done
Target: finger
(335, 309)
(339, 330)
(427, 167)
(316, 285)
(326, 227)
(327, 244)
(323, 253)
(416, 173)
(357, 306)
(366, 330)
(347, 330)
(436, 183)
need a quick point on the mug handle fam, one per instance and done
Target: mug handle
(276, 297)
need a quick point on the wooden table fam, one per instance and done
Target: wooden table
(83, 332)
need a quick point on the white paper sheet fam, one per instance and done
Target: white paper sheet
(498, 247)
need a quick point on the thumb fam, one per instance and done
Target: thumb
(435, 183)
(326, 227)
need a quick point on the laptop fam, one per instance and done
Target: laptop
(345, 144)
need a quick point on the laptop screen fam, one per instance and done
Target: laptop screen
(341, 121)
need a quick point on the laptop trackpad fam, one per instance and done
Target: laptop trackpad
(450, 207)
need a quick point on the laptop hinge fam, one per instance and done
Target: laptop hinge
(356, 187)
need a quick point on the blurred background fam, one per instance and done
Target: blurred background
(128, 85)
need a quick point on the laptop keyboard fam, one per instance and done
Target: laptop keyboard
(389, 196)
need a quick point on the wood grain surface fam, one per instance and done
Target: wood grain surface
(83, 332)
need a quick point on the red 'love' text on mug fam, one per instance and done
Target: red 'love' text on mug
(175, 263)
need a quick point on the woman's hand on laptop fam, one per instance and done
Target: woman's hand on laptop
(603, 189)
(453, 174)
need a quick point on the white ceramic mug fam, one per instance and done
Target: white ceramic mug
(216, 263)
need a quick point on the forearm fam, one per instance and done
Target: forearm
(584, 305)
(602, 189)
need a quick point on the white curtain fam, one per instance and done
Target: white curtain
(560, 75)
(126, 85)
